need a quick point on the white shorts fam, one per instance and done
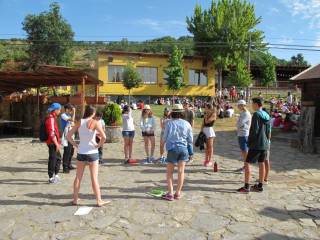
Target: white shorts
(209, 132)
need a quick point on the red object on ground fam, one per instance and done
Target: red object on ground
(132, 161)
(215, 167)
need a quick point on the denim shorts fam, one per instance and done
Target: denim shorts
(88, 157)
(243, 143)
(178, 154)
(129, 134)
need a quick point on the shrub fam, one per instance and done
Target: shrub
(112, 114)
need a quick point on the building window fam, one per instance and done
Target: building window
(198, 77)
(149, 75)
(115, 73)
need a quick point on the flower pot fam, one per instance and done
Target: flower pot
(113, 134)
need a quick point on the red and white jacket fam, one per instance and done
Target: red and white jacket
(52, 128)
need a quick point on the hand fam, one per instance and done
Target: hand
(58, 146)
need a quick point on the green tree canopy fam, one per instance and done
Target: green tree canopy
(268, 70)
(50, 37)
(240, 76)
(174, 70)
(131, 78)
(298, 60)
(222, 32)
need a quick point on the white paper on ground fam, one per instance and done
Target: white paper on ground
(83, 211)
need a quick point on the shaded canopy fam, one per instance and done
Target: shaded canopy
(44, 76)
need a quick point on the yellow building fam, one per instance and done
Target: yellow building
(199, 74)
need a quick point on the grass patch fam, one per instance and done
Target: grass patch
(225, 124)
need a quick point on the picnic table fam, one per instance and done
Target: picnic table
(15, 124)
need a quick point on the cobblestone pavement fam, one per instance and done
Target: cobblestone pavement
(289, 208)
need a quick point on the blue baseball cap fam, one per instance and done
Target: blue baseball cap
(54, 106)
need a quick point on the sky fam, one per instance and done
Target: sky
(283, 21)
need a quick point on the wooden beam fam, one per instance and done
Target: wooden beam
(97, 93)
(83, 95)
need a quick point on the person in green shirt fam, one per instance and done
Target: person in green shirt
(258, 142)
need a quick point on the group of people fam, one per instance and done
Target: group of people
(232, 94)
(176, 139)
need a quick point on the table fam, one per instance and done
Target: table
(6, 123)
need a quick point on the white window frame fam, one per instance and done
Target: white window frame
(147, 71)
(200, 74)
(118, 67)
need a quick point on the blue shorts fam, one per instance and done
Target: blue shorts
(177, 154)
(88, 157)
(243, 144)
(129, 134)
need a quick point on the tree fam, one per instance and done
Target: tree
(240, 76)
(131, 78)
(174, 71)
(224, 31)
(298, 60)
(268, 70)
(50, 37)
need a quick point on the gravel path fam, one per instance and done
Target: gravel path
(289, 208)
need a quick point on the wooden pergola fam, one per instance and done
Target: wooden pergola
(47, 76)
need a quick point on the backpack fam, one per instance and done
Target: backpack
(43, 135)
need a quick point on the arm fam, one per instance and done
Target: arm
(142, 124)
(51, 132)
(73, 114)
(73, 130)
(165, 134)
(99, 129)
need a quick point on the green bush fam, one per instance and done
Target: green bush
(112, 114)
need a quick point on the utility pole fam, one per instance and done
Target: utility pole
(249, 66)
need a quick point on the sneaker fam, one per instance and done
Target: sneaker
(243, 190)
(152, 160)
(168, 197)
(71, 167)
(66, 170)
(126, 161)
(256, 188)
(208, 164)
(240, 170)
(57, 178)
(52, 180)
(265, 182)
(147, 161)
(163, 160)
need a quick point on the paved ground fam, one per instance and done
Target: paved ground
(209, 209)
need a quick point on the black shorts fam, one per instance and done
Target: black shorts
(147, 134)
(256, 156)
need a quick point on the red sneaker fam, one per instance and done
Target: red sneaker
(243, 190)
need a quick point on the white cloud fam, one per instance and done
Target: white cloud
(273, 10)
(307, 9)
(159, 26)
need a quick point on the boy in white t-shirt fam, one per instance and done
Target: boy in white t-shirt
(98, 117)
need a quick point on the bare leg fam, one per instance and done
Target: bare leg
(125, 139)
(77, 181)
(261, 172)
(153, 145)
(247, 173)
(146, 145)
(130, 147)
(181, 166)
(244, 156)
(170, 169)
(210, 148)
(161, 149)
(94, 167)
(267, 169)
(212, 155)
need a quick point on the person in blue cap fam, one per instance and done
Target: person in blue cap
(53, 142)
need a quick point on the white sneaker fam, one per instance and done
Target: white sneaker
(52, 180)
(57, 178)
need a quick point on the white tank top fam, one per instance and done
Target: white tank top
(87, 138)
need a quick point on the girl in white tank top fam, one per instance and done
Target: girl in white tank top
(87, 138)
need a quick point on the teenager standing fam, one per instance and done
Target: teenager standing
(53, 142)
(67, 121)
(258, 142)
(243, 127)
(177, 137)
(210, 116)
(88, 153)
(98, 118)
(148, 124)
(128, 133)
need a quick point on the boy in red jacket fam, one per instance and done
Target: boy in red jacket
(53, 142)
